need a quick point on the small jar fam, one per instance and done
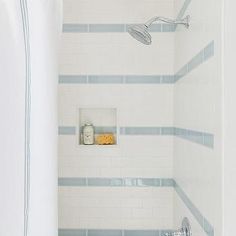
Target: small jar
(88, 134)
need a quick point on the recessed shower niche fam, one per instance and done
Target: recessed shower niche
(103, 123)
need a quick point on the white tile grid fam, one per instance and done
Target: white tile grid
(135, 156)
(123, 208)
(132, 109)
(201, 87)
(105, 11)
(116, 53)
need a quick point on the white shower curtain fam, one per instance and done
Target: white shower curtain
(29, 40)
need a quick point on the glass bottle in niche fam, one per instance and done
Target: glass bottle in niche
(88, 134)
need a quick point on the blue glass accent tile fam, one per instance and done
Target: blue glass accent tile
(208, 140)
(142, 79)
(105, 28)
(105, 79)
(141, 232)
(105, 129)
(181, 73)
(72, 181)
(198, 216)
(75, 28)
(167, 182)
(183, 9)
(71, 232)
(167, 130)
(208, 228)
(142, 130)
(167, 79)
(122, 130)
(72, 79)
(155, 28)
(194, 136)
(209, 51)
(164, 232)
(116, 182)
(202, 138)
(99, 182)
(148, 182)
(196, 61)
(129, 182)
(168, 27)
(104, 232)
(66, 130)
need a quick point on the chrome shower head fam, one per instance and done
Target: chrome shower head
(140, 33)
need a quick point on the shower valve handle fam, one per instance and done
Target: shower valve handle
(184, 231)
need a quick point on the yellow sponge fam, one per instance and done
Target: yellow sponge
(105, 139)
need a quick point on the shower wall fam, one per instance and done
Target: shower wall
(128, 186)
(167, 164)
(197, 116)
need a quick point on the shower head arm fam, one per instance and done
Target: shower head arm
(184, 21)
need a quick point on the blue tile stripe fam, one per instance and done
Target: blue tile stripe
(205, 54)
(66, 130)
(112, 28)
(202, 138)
(103, 129)
(203, 222)
(71, 130)
(201, 57)
(116, 182)
(116, 79)
(112, 232)
(183, 9)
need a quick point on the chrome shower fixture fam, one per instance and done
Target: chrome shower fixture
(140, 32)
(185, 229)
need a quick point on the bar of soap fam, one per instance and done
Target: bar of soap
(105, 139)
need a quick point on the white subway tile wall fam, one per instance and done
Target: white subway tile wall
(166, 95)
(104, 56)
(197, 106)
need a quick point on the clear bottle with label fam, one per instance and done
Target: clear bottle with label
(88, 134)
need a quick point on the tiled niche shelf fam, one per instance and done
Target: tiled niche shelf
(104, 121)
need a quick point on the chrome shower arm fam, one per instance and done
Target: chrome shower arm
(184, 21)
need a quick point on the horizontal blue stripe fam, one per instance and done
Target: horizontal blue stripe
(78, 28)
(203, 138)
(140, 130)
(112, 232)
(203, 222)
(103, 129)
(116, 79)
(72, 232)
(72, 79)
(112, 28)
(118, 28)
(105, 79)
(66, 130)
(142, 79)
(116, 182)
